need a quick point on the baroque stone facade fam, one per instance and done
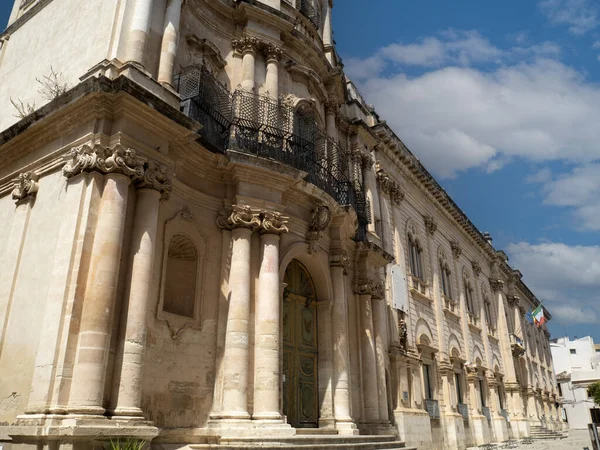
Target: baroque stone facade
(212, 239)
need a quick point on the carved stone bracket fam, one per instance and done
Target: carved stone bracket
(272, 223)
(496, 285)
(387, 185)
(25, 185)
(105, 160)
(340, 258)
(430, 224)
(239, 216)
(476, 268)
(367, 286)
(456, 249)
(321, 218)
(155, 177)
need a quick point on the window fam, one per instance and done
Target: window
(482, 393)
(573, 351)
(501, 397)
(415, 255)
(459, 396)
(469, 298)
(446, 280)
(488, 313)
(181, 277)
(428, 393)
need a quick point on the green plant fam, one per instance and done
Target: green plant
(126, 444)
(594, 392)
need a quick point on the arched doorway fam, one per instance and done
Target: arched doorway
(300, 354)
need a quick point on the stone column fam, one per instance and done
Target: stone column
(273, 55)
(89, 372)
(380, 327)
(327, 29)
(368, 354)
(267, 371)
(247, 46)
(242, 221)
(139, 30)
(127, 392)
(341, 354)
(170, 41)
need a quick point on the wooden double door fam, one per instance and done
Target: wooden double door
(300, 354)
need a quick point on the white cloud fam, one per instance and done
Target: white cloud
(580, 16)
(541, 176)
(566, 277)
(580, 190)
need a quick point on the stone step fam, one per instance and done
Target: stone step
(281, 446)
(308, 442)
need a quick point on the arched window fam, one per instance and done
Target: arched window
(415, 254)
(489, 315)
(469, 299)
(446, 280)
(181, 277)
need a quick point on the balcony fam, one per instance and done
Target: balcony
(492, 332)
(451, 307)
(474, 322)
(433, 408)
(463, 410)
(517, 345)
(418, 288)
(267, 128)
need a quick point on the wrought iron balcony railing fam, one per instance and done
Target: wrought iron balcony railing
(433, 408)
(268, 128)
(463, 410)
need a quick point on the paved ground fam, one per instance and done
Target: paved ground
(577, 440)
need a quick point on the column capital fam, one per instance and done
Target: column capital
(25, 186)
(156, 178)
(513, 300)
(368, 286)
(105, 160)
(497, 285)
(272, 53)
(239, 216)
(246, 44)
(272, 223)
(339, 258)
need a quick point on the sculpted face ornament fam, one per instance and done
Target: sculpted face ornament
(321, 219)
(273, 223)
(105, 160)
(430, 224)
(239, 216)
(26, 185)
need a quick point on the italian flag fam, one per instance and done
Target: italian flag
(538, 315)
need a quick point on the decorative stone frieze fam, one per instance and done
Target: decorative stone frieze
(239, 216)
(102, 159)
(272, 223)
(387, 185)
(155, 177)
(367, 286)
(496, 285)
(321, 218)
(456, 249)
(339, 258)
(25, 185)
(476, 268)
(430, 224)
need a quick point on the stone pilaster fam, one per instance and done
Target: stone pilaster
(140, 28)
(273, 56)
(170, 40)
(267, 401)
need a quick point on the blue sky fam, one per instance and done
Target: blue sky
(501, 101)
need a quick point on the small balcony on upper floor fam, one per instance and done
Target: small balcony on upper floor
(517, 345)
(271, 129)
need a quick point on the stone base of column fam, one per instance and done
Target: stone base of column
(377, 428)
(127, 413)
(44, 430)
(500, 429)
(231, 428)
(519, 427)
(346, 427)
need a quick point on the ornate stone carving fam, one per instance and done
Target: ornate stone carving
(471, 368)
(186, 214)
(402, 332)
(272, 52)
(239, 216)
(102, 159)
(26, 185)
(430, 224)
(456, 249)
(272, 223)
(339, 258)
(321, 218)
(155, 177)
(331, 106)
(496, 285)
(513, 300)
(476, 268)
(387, 185)
(367, 286)
(245, 44)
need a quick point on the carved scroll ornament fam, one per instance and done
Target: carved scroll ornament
(105, 160)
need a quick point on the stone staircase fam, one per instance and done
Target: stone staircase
(538, 432)
(308, 442)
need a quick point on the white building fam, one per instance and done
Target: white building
(577, 365)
